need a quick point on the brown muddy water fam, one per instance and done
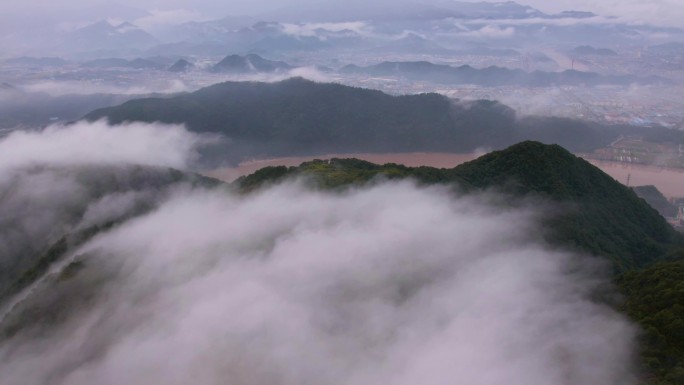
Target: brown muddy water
(669, 181)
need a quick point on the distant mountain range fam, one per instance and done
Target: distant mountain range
(93, 41)
(410, 70)
(300, 117)
(208, 31)
(436, 27)
(492, 76)
(105, 36)
(419, 27)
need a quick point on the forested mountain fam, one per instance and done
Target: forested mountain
(300, 117)
(600, 215)
(607, 218)
(655, 299)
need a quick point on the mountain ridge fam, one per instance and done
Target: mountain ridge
(601, 216)
(301, 117)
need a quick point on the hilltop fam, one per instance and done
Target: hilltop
(600, 215)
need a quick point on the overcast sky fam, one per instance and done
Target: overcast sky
(657, 12)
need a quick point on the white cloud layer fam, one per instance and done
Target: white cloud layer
(58, 181)
(389, 285)
(311, 29)
(98, 143)
(57, 88)
(160, 19)
(38, 168)
(491, 32)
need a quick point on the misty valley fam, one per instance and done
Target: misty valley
(311, 192)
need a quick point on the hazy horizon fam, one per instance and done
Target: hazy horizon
(656, 12)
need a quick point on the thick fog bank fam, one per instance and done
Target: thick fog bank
(392, 284)
(98, 143)
(61, 181)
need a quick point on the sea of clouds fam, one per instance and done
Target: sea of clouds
(387, 284)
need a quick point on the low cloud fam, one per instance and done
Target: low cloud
(96, 143)
(312, 29)
(491, 32)
(392, 284)
(57, 88)
(59, 181)
(631, 19)
(310, 73)
(160, 19)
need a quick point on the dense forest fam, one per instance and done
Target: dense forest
(655, 299)
(300, 117)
